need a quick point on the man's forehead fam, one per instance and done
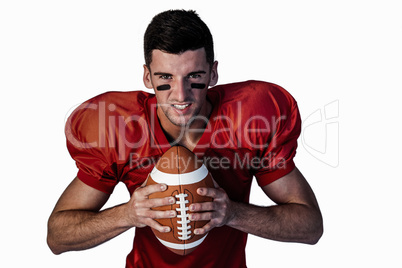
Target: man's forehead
(188, 57)
(198, 50)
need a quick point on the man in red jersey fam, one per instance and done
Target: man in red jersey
(242, 131)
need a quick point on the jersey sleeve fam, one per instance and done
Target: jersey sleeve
(279, 138)
(86, 145)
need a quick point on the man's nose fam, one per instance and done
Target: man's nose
(180, 90)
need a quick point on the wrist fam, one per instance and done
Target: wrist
(122, 214)
(233, 217)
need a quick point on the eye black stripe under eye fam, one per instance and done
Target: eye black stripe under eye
(193, 85)
(197, 85)
(163, 87)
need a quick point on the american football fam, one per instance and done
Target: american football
(180, 170)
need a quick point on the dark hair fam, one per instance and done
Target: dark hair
(176, 31)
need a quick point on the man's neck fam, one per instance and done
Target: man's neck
(188, 135)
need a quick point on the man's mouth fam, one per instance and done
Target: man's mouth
(180, 106)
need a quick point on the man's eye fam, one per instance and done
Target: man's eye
(194, 76)
(165, 77)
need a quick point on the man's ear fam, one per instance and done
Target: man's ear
(147, 77)
(214, 75)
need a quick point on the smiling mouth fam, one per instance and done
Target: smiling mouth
(180, 106)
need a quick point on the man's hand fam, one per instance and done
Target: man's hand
(218, 212)
(139, 208)
(77, 223)
(296, 217)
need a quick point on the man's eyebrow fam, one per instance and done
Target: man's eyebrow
(197, 72)
(192, 73)
(159, 73)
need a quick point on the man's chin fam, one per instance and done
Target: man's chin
(179, 122)
(183, 120)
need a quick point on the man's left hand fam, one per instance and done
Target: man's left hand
(218, 212)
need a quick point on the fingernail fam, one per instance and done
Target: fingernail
(166, 230)
(171, 200)
(163, 187)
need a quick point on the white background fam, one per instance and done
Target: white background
(345, 55)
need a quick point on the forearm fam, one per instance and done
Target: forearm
(72, 230)
(286, 222)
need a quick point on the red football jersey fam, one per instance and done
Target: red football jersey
(251, 132)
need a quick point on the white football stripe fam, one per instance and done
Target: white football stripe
(179, 179)
(182, 246)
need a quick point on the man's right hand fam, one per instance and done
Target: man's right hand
(139, 208)
(78, 223)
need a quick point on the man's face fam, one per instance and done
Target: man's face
(183, 102)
